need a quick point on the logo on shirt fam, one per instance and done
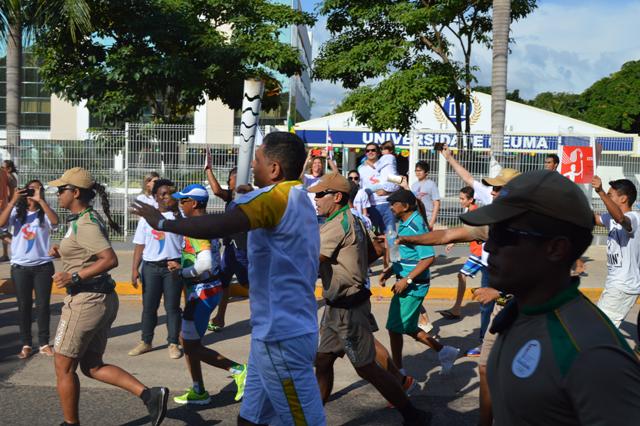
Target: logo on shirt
(28, 235)
(526, 360)
(159, 237)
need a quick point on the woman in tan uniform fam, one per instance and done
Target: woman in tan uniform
(91, 304)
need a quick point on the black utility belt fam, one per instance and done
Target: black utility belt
(350, 301)
(16, 266)
(162, 263)
(103, 284)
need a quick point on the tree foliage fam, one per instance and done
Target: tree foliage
(611, 102)
(167, 55)
(511, 96)
(403, 52)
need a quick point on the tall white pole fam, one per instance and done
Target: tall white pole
(251, 103)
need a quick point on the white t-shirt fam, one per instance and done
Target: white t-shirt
(308, 181)
(361, 201)
(31, 241)
(158, 245)
(148, 199)
(482, 193)
(623, 254)
(371, 181)
(426, 191)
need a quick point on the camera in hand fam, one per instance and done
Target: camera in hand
(438, 146)
(29, 192)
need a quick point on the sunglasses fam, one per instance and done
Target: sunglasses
(323, 193)
(507, 236)
(354, 178)
(371, 150)
(61, 189)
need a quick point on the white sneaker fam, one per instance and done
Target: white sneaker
(447, 356)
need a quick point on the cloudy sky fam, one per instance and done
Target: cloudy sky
(564, 45)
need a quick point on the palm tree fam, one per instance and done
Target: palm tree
(501, 23)
(20, 20)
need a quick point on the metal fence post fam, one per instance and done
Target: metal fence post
(126, 180)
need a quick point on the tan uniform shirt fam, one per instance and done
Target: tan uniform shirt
(562, 363)
(342, 240)
(84, 239)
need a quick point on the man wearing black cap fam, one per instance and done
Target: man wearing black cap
(557, 359)
(347, 324)
(412, 282)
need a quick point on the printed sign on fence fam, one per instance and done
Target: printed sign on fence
(577, 163)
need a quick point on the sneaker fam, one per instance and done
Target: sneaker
(212, 326)
(25, 352)
(157, 404)
(426, 327)
(174, 351)
(140, 349)
(46, 350)
(447, 357)
(240, 379)
(423, 418)
(193, 397)
(475, 352)
(410, 385)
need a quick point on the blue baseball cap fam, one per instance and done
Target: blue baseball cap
(195, 191)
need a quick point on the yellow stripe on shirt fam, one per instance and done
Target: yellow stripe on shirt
(267, 208)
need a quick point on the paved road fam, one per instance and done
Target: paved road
(443, 273)
(29, 397)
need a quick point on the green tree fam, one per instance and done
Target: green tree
(511, 96)
(19, 20)
(170, 55)
(613, 101)
(405, 52)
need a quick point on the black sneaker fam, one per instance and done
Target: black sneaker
(423, 418)
(157, 404)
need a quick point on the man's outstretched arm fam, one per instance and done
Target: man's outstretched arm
(464, 234)
(206, 227)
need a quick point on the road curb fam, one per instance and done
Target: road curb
(124, 288)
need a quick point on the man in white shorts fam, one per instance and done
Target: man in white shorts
(623, 248)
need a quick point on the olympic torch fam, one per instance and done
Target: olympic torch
(251, 102)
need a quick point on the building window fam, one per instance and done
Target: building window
(36, 101)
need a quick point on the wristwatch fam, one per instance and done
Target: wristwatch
(75, 278)
(409, 281)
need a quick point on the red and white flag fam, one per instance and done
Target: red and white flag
(329, 144)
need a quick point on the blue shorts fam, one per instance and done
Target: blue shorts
(472, 266)
(281, 385)
(197, 311)
(234, 262)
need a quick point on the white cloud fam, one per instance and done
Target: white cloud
(564, 46)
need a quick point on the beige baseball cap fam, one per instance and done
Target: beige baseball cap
(502, 179)
(331, 182)
(76, 176)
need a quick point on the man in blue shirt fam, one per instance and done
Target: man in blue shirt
(412, 285)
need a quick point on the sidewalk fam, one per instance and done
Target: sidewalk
(444, 282)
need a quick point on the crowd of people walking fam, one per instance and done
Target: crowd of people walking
(527, 233)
